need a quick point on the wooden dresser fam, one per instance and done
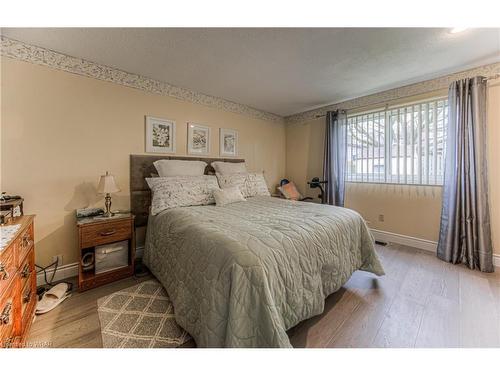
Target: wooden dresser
(17, 283)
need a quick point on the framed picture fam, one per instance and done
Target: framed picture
(160, 135)
(228, 142)
(198, 139)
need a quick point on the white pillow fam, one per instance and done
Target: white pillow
(250, 184)
(181, 191)
(169, 168)
(228, 195)
(223, 167)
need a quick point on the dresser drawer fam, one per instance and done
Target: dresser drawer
(8, 307)
(8, 263)
(103, 233)
(25, 242)
(28, 295)
(27, 269)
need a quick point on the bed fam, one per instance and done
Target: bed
(243, 274)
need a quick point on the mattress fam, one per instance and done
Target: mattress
(241, 275)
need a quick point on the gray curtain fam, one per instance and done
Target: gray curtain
(465, 235)
(335, 157)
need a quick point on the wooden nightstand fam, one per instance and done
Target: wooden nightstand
(99, 231)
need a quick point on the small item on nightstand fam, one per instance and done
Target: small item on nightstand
(88, 212)
(107, 185)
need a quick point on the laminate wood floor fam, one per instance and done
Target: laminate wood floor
(420, 302)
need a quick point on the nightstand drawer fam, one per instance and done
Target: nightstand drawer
(103, 233)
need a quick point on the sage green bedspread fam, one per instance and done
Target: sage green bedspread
(242, 274)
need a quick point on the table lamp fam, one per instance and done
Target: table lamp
(107, 185)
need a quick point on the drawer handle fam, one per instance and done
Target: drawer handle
(27, 297)
(8, 343)
(108, 232)
(4, 275)
(26, 271)
(26, 241)
(5, 317)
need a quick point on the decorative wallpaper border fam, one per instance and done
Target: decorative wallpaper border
(41, 56)
(397, 93)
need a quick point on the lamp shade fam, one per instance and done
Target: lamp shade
(107, 184)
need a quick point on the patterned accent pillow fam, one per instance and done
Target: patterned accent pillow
(181, 191)
(290, 191)
(228, 195)
(250, 184)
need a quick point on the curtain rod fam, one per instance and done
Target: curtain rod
(495, 76)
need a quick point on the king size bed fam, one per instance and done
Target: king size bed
(242, 274)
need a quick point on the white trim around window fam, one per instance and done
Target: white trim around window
(404, 144)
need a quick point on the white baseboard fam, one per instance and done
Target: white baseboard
(63, 272)
(419, 243)
(402, 239)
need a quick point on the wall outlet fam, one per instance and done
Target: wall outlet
(381, 217)
(59, 259)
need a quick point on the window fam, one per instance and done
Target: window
(403, 145)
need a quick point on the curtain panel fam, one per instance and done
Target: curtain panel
(334, 162)
(465, 235)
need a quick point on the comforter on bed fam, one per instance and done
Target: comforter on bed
(242, 274)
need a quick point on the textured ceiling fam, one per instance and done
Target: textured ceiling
(283, 71)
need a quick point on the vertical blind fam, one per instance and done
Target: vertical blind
(402, 145)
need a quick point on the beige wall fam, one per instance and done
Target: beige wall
(408, 210)
(60, 131)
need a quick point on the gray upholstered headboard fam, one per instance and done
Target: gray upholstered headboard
(141, 166)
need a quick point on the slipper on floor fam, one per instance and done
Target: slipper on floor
(52, 298)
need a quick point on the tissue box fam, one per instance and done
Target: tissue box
(111, 256)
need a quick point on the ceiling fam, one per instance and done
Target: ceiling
(282, 71)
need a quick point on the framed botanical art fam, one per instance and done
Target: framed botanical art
(160, 135)
(228, 142)
(198, 139)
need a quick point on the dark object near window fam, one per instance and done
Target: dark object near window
(316, 183)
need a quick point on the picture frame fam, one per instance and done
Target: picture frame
(160, 135)
(228, 142)
(198, 139)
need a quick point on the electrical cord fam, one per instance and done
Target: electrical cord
(48, 284)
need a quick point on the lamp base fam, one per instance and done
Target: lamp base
(107, 204)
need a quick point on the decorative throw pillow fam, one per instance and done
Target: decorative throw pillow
(181, 191)
(250, 184)
(228, 195)
(169, 168)
(223, 167)
(290, 191)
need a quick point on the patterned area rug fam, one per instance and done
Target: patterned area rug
(141, 316)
